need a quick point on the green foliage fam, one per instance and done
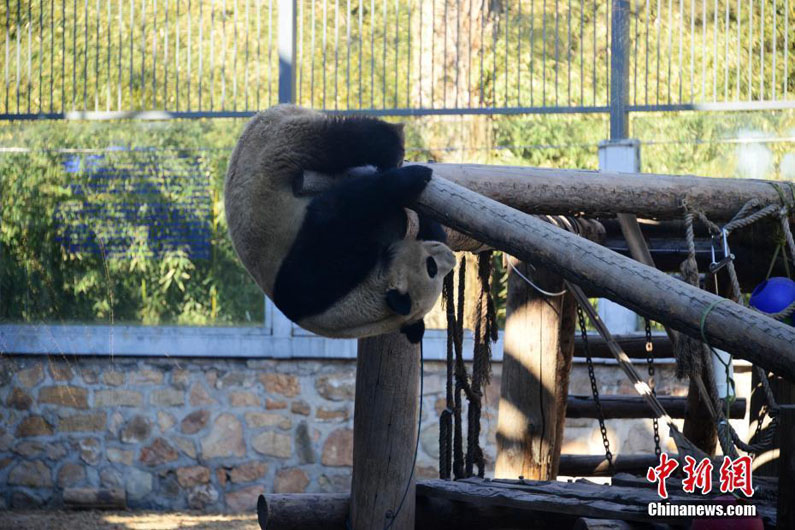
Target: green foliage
(44, 278)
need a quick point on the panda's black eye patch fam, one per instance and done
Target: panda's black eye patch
(430, 264)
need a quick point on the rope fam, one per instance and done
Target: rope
(446, 417)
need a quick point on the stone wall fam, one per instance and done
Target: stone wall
(214, 434)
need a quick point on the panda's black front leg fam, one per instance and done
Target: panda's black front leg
(369, 198)
(414, 332)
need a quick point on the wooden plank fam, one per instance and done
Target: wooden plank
(636, 407)
(582, 498)
(643, 289)
(385, 433)
(535, 376)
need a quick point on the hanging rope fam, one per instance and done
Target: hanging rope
(728, 437)
(446, 417)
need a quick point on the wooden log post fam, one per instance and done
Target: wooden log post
(785, 512)
(385, 433)
(535, 376)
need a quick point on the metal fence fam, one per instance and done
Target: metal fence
(95, 59)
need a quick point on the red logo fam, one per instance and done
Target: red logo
(734, 475)
(661, 472)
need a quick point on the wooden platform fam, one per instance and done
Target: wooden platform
(579, 499)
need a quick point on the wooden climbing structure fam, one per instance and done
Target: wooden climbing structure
(510, 209)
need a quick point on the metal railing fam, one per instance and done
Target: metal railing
(98, 59)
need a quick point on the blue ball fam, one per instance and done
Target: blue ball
(773, 295)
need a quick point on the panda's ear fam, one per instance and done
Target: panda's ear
(398, 302)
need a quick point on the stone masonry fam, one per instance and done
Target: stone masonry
(212, 435)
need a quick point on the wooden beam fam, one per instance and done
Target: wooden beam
(634, 346)
(786, 468)
(535, 376)
(598, 193)
(597, 466)
(385, 433)
(739, 330)
(636, 407)
(303, 511)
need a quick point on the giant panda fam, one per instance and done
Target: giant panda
(338, 264)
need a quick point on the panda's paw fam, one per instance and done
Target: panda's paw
(414, 332)
(409, 181)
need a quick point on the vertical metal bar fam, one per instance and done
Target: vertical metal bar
(110, 50)
(336, 52)
(762, 51)
(234, 58)
(245, 61)
(607, 56)
(222, 106)
(670, 45)
(482, 44)
(311, 58)
(750, 48)
(74, 55)
(325, 49)
(212, 54)
(85, 55)
(143, 53)
(165, 55)
(397, 48)
(348, 52)
(41, 48)
(544, 54)
(469, 56)
(300, 51)
(692, 48)
(619, 82)
(372, 54)
(519, 55)
(286, 44)
(383, 59)
(200, 74)
(556, 52)
(96, 61)
(30, 53)
(132, 35)
(775, 50)
(593, 73)
(433, 50)
(704, 51)
(63, 56)
(657, 30)
(568, 59)
(646, 79)
(715, 53)
(507, 12)
(494, 33)
(739, 48)
(444, 57)
(726, 57)
(361, 54)
(52, 53)
(786, 50)
(681, 38)
(188, 93)
(408, 58)
(582, 52)
(259, 57)
(176, 59)
(8, 45)
(635, 39)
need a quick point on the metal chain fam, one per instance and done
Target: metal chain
(650, 361)
(594, 389)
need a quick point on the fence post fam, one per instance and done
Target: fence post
(286, 49)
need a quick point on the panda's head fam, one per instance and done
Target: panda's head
(414, 272)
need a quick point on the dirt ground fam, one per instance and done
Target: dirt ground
(95, 520)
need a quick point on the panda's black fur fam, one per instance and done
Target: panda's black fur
(344, 268)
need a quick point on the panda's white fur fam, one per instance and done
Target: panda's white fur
(352, 234)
